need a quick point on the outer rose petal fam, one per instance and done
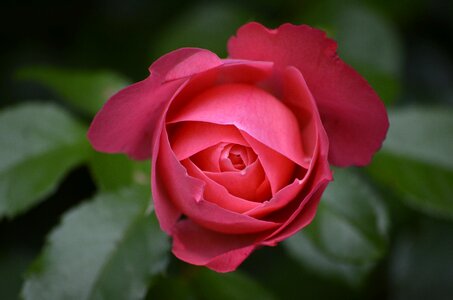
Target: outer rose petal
(126, 122)
(219, 252)
(184, 62)
(352, 113)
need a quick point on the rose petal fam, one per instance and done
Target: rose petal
(208, 159)
(252, 110)
(188, 138)
(277, 167)
(246, 72)
(298, 214)
(183, 62)
(297, 96)
(301, 217)
(219, 252)
(352, 113)
(279, 200)
(126, 122)
(187, 196)
(243, 184)
(218, 194)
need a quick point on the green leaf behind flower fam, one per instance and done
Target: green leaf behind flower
(108, 248)
(416, 159)
(349, 233)
(40, 144)
(372, 46)
(203, 284)
(114, 171)
(85, 90)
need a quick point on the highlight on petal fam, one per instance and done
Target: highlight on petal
(184, 62)
(188, 138)
(250, 109)
(353, 115)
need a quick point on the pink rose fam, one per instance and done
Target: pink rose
(241, 147)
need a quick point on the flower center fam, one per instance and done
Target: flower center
(236, 160)
(234, 157)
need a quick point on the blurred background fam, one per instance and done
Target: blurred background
(382, 232)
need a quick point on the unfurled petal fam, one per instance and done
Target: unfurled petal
(218, 194)
(219, 252)
(186, 193)
(352, 113)
(183, 63)
(244, 183)
(251, 110)
(127, 121)
(188, 138)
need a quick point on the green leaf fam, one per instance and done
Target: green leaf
(108, 248)
(371, 45)
(204, 284)
(171, 288)
(237, 285)
(40, 144)
(14, 260)
(113, 171)
(415, 160)
(421, 265)
(85, 90)
(349, 233)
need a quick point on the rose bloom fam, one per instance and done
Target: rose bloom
(241, 147)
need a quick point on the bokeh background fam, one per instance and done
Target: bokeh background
(382, 232)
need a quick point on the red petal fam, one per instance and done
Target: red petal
(219, 252)
(182, 63)
(353, 115)
(245, 183)
(188, 138)
(126, 122)
(218, 194)
(278, 168)
(186, 193)
(251, 110)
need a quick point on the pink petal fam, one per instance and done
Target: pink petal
(188, 138)
(353, 115)
(125, 124)
(218, 194)
(315, 142)
(186, 193)
(243, 184)
(219, 252)
(300, 213)
(127, 121)
(182, 63)
(246, 72)
(253, 111)
(279, 200)
(208, 159)
(301, 217)
(298, 97)
(277, 167)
